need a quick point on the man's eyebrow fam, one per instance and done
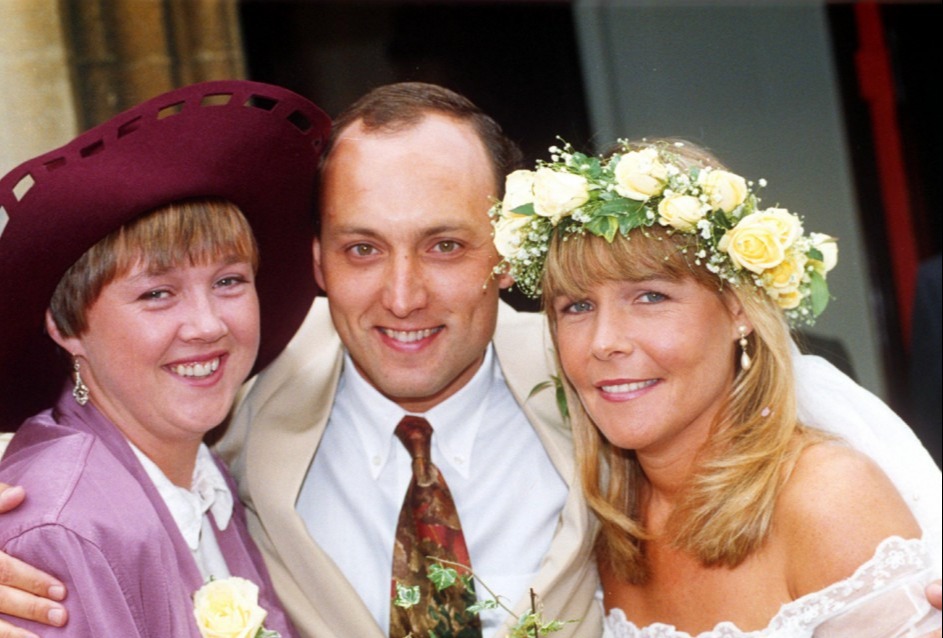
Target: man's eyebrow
(442, 229)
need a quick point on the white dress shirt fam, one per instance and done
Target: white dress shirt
(189, 508)
(507, 491)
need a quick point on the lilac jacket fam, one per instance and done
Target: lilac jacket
(94, 519)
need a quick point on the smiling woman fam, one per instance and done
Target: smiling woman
(161, 319)
(135, 245)
(669, 290)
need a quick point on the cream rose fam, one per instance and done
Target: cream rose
(640, 175)
(724, 190)
(680, 211)
(507, 233)
(754, 243)
(558, 193)
(228, 608)
(828, 246)
(789, 300)
(786, 277)
(788, 227)
(518, 190)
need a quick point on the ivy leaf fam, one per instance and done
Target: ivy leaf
(555, 625)
(816, 254)
(634, 218)
(525, 209)
(603, 226)
(481, 605)
(441, 576)
(818, 292)
(406, 597)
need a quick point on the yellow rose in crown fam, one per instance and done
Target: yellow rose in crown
(828, 246)
(518, 190)
(640, 175)
(724, 190)
(507, 233)
(754, 243)
(785, 278)
(788, 227)
(558, 193)
(680, 211)
(229, 608)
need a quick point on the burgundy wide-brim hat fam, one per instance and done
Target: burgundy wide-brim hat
(253, 144)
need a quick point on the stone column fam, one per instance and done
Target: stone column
(36, 112)
(125, 51)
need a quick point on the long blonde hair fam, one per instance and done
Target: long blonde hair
(728, 501)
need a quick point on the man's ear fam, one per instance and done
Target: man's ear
(72, 345)
(318, 272)
(504, 280)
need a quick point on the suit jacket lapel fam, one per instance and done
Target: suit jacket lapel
(285, 434)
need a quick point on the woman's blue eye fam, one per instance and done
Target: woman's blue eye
(232, 280)
(653, 297)
(579, 307)
(154, 294)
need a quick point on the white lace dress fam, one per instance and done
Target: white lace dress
(884, 598)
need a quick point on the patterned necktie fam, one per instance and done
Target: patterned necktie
(429, 527)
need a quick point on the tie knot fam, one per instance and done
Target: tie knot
(416, 435)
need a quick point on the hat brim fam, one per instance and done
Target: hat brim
(254, 144)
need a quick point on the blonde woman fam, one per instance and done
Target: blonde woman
(668, 289)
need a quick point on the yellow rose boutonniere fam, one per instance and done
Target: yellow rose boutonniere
(229, 608)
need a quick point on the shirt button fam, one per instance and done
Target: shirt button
(375, 460)
(459, 460)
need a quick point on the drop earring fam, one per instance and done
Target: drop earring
(80, 391)
(745, 361)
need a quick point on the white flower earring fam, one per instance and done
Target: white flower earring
(80, 391)
(745, 361)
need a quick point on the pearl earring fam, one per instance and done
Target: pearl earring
(745, 361)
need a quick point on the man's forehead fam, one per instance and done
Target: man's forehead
(434, 138)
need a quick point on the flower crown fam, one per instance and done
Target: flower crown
(576, 194)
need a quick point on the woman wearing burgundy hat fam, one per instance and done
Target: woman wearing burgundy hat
(133, 246)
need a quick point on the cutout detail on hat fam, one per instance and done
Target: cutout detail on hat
(4, 218)
(22, 187)
(91, 149)
(301, 122)
(54, 163)
(261, 102)
(216, 99)
(170, 110)
(129, 127)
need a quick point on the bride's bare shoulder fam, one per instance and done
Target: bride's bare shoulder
(836, 507)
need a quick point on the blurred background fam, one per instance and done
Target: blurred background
(835, 104)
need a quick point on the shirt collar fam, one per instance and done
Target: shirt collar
(208, 492)
(455, 421)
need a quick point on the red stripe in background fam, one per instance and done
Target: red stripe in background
(876, 81)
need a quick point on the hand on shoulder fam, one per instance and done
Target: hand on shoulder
(835, 509)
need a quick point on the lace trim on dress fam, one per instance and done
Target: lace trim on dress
(895, 562)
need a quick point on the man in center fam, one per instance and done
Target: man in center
(413, 326)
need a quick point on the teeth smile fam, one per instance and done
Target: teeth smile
(627, 387)
(196, 369)
(409, 336)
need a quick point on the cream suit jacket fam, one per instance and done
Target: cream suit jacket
(275, 433)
